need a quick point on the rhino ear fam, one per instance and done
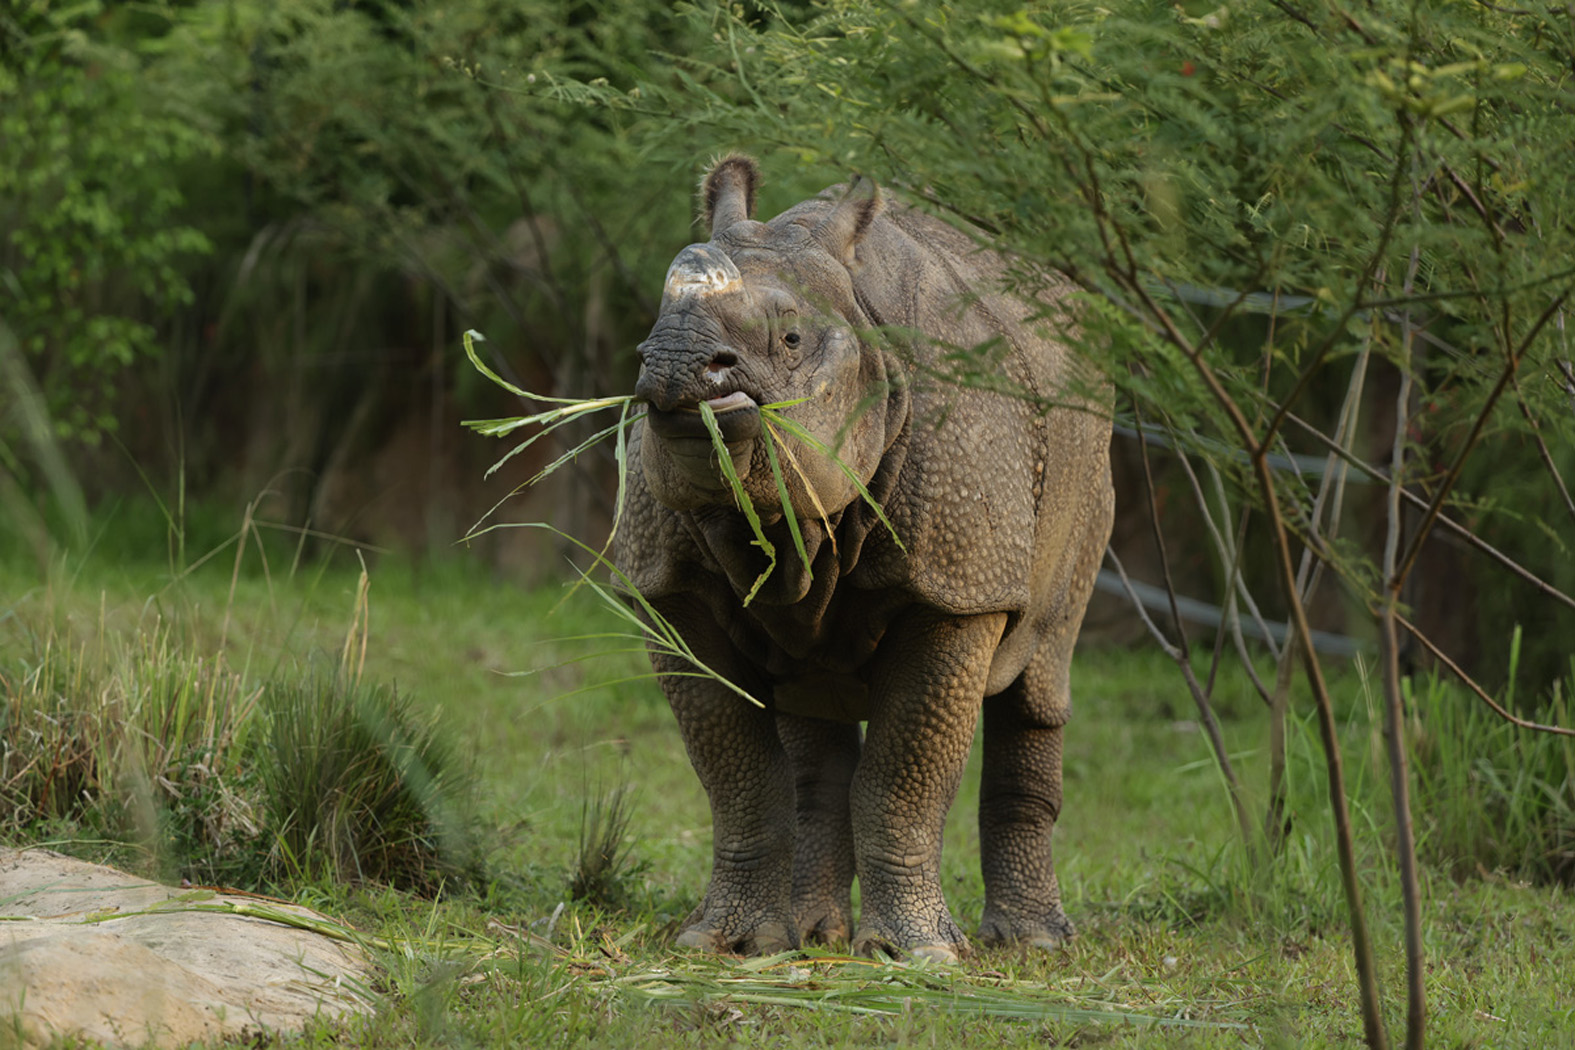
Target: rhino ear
(839, 232)
(729, 191)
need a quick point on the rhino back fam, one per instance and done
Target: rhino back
(994, 496)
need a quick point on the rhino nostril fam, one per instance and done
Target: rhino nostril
(721, 360)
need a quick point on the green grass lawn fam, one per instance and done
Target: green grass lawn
(1176, 924)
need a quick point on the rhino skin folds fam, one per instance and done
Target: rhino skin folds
(1003, 508)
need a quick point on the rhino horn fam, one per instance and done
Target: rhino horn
(840, 231)
(689, 335)
(729, 191)
(700, 270)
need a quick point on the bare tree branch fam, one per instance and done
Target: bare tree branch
(1542, 450)
(1511, 364)
(1394, 711)
(1454, 528)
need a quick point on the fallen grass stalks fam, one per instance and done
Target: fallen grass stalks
(827, 982)
(805, 980)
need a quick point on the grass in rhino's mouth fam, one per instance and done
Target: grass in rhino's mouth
(777, 426)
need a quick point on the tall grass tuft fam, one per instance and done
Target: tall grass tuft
(132, 737)
(1492, 797)
(149, 746)
(602, 867)
(355, 786)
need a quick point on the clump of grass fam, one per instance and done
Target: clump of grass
(602, 868)
(355, 786)
(1490, 796)
(126, 735)
(136, 738)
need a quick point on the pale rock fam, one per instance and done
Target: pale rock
(81, 953)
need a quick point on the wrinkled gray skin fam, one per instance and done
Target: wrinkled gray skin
(1004, 513)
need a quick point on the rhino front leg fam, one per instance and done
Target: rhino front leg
(739, 759)
(926, 690)
(824, 755)
(1019, 801)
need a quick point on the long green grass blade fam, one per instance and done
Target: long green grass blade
(817, 445)
(472, 337)
(809, 489)
(617, 428)
(745, 504)
(546, 429)
(574, 452)
(656, 627)
(552, 417)
(787, 503)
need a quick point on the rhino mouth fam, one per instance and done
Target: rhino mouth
(737, 417)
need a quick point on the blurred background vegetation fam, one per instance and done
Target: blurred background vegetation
(239, 241)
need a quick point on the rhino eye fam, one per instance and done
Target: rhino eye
(791, 339)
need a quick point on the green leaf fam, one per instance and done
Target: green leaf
(787, 502)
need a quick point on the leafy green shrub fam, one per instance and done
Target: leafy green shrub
(355, 786)
(92, 249)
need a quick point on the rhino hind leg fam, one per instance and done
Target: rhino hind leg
(1019, 801)
(823, 755)
(1020, 787)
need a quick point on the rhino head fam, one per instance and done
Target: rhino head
(763, 313)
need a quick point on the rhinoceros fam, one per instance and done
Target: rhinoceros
(853, 306)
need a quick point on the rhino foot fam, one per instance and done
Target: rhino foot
(941, 941)
(825, 925)
(1045, 933)
(729, 935)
